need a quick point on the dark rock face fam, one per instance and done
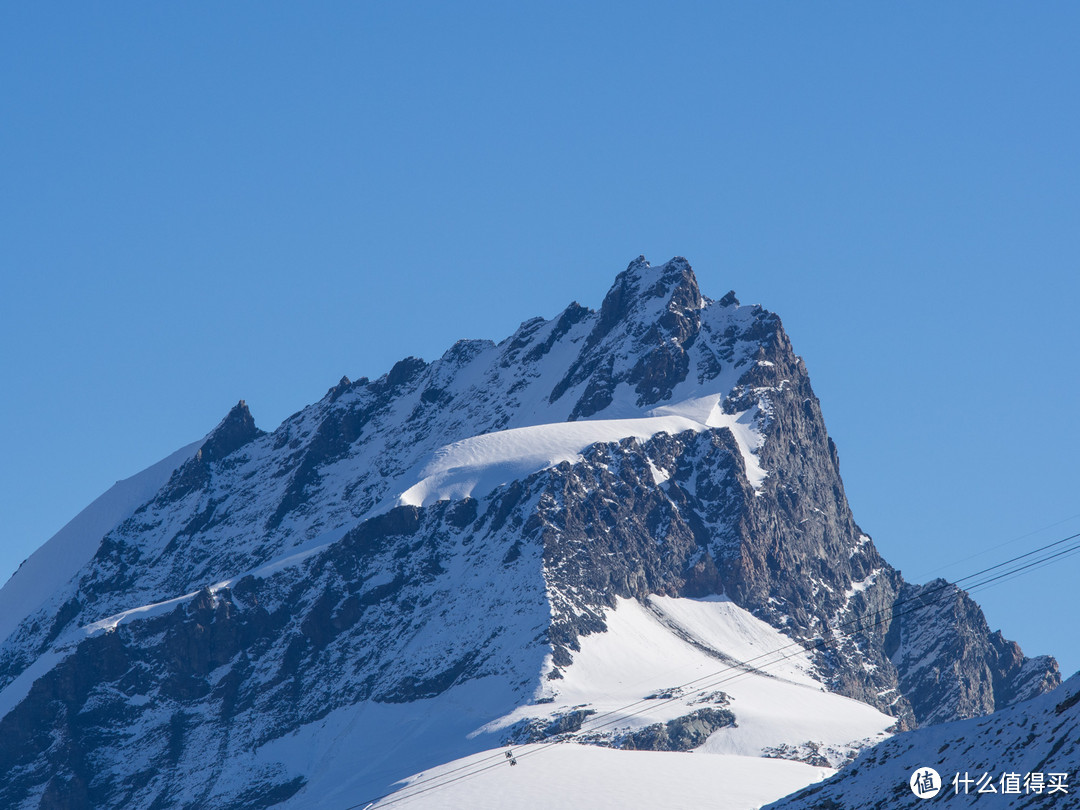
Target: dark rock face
(232, 433)
(238, 666)
(236, 430)
(951, 665)
(391, 604)
(660, 315)
(538, 730)
(680, 734)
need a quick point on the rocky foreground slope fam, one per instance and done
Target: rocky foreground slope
(419, 563)
(1021, 756)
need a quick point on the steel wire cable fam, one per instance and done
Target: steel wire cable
(743, 668)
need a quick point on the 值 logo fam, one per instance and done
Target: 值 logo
(925, 783)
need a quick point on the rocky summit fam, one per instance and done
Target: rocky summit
(622, 530)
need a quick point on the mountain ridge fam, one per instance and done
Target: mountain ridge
(665, 445)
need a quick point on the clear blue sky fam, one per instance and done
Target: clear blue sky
(201, 204)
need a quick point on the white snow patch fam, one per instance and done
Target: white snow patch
(861, 585)
(142, 612)
(859, 544)
(475, 466)
(743, 426)
(658, 476)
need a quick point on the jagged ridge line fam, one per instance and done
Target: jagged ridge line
(921, 599)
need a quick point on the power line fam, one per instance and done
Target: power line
(743, 668)
(1026, 569)
(988, 549)
(919, 601)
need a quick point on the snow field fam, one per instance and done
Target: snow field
(477, 465)
(649, 652)
(352, 754)
(585, 777)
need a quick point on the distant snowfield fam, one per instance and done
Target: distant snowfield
(475, 466)
(622, 675)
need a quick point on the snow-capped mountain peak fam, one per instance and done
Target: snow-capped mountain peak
(450, 557)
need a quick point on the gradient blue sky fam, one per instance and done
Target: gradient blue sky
(200, 204)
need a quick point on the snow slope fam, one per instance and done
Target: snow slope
(1041, 735)
(61, 557)
(578, 777)
(664, 660)
(625, 676)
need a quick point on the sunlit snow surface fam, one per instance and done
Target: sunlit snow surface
(579, 777)
(475, 466)
(719, 647)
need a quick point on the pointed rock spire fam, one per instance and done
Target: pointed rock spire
(651, 313)
(636, 287)
(232, 433)
(344, 384)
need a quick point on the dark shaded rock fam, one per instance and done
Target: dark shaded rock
(537, 730)
(344, 384)
(404, 371)
(681, 734)
(628, 318)
(236, 430)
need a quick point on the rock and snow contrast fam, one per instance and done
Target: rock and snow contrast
(1025, 755)
(614, 545)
